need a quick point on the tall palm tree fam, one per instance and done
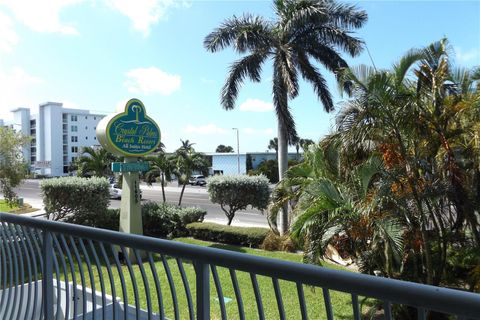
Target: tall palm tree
(303, 32)
(96, 161)
(160, 166)
(186, 161)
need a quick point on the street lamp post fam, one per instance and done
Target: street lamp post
(238, 151)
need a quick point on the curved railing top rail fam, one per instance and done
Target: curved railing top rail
(402, 292)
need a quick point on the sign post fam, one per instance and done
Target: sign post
(131, 134)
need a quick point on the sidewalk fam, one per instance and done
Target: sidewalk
(173, 188)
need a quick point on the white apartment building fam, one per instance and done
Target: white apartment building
(58, 135)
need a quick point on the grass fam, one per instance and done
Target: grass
(314, 298)
(4, 207)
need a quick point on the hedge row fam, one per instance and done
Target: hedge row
(249, 237)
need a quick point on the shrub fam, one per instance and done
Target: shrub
(250, 237)
(168, 221)
(110, 219)
(274, 242)
(81, 199)
(237, 192)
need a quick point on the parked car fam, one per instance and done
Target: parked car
(115, 191)
(197, 180)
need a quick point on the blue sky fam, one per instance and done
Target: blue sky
(97, 54)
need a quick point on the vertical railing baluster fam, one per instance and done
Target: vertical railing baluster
(16, 239)
(13, 245)
(171, 283)
(82, 276)
(110, 278)
(145, 283)
(26, 255)
(47, 288)
(92, 278)
(278, 296)
(65, 272)
(218, 286)
(134, 281)
(122, 281)
(328, 303)
(258, 296)
(35, 271)
(356, 310)
(158, 287)
(238, 294)
(301, 301)
(74, 277)
(57, 277)
(3, 250)
(203, 290)
(421, 314)
(387, 309)
(9, 305)
(100, 276)
(186, 287)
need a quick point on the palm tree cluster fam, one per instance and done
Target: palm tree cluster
(397, 185)
(303, 34)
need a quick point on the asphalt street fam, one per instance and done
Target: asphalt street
(194, 196)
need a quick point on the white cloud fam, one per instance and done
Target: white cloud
(252, 131)
(145, 13)
(16, 84)
(8, 36)
(472, 55)
(42, 16)
(152, 80)
(256, 105)
(206, 129)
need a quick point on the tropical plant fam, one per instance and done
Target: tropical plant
(224, 149)
(95, 161)
(13, 167)
(187, 160)
(161, 166)
(302, 31)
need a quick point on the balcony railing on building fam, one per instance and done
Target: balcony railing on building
(54, 270)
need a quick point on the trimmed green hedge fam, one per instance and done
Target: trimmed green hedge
(242, 236)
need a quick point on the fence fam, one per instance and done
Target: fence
(54, 270)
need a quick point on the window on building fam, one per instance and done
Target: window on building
(86, 138)
(94, 118)
(73, 159)
(74, 129)
(74, 149)
(74, 139)
(94, 138)
(73, 118)
(94, 128)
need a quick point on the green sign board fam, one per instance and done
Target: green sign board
(130, 166)
(130, 133)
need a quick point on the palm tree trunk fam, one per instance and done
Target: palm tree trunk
(181, 194)
(282, 168)
(162, 175)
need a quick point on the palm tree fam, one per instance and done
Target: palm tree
(160, 166)
(186, 161)
(96, 161)
(303, 31)
(273, 145)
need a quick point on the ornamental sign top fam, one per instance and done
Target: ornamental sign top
(130, 133)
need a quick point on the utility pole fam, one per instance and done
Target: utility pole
(238, 151)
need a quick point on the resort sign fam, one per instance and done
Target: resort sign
(130, 133)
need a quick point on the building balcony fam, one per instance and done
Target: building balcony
(51, 270)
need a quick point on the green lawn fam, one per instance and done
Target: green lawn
(314, 298)
(4, 207)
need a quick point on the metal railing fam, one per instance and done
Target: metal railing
(54, 270)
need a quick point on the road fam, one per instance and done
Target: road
(194, 196)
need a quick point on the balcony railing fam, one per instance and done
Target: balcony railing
(55, 270)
